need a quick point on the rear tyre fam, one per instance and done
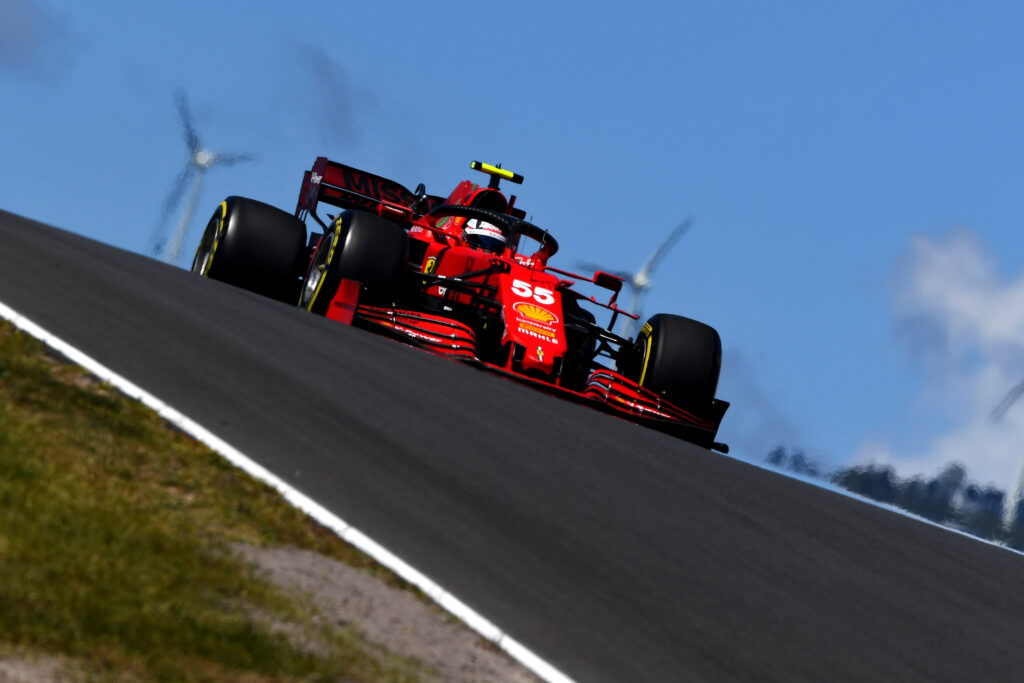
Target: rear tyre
(255, 246)
(357, 246)
(677, 358)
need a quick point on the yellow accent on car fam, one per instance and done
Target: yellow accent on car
(535, 313)
(322, 267)
(216, 239)
(645, 331)
(495, 171)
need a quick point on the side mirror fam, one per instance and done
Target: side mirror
(608, 281)
(420, 199)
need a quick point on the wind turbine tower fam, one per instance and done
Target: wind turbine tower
(997, 413)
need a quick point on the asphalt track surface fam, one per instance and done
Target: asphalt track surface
(614, 552)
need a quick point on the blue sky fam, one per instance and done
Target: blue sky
(853, 170)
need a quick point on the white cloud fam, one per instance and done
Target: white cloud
(964, 325)
(955, 283)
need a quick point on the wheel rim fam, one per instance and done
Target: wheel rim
(207, 247)
(645, 356)
(204, 264)
(315, 276)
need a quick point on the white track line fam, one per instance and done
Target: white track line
(346, 531)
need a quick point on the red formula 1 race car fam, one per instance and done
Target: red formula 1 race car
(454, 275)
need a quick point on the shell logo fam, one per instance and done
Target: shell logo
(534, 312)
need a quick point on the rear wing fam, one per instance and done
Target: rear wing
(349, 188)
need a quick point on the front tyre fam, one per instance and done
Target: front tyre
(677, 358)
(357, 246)
(255, 246)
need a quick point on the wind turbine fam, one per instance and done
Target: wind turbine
(200, 160)
(640, 281)
(997, 414)
(1008, 401)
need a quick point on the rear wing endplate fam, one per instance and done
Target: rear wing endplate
(349, 188)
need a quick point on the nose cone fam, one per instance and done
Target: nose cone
(539, 331)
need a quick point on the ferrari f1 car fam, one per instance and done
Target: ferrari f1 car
(456, 275)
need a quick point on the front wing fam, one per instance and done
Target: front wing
(606, 390)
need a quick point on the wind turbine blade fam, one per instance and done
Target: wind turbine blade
(191, 137)
(177, 239)
(231, 158)
(594, 267)
(659, 253)
(1008, 401)
(177, 190)
(158, 242)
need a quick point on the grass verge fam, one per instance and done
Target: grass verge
(115, 535)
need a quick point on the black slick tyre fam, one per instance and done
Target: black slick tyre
(255, 246)
(357, 246)
(677, 358)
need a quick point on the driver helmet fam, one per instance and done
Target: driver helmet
(484, 235)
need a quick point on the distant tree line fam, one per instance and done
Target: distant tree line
(949, 498)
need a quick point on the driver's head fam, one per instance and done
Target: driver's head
(484, 235)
